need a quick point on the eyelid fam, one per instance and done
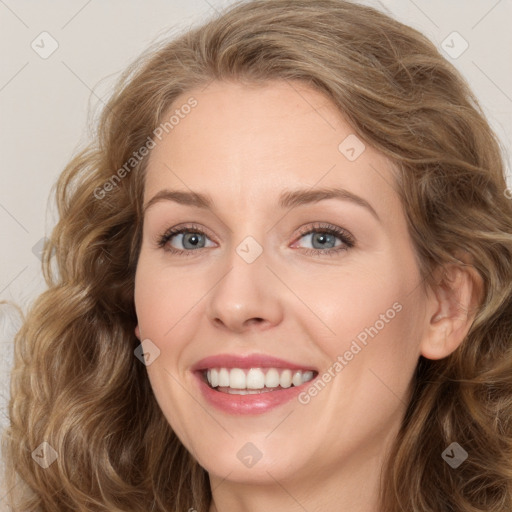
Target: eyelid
(180, 228)
(347, 239)
(338, 231)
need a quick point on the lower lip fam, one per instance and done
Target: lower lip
(257, 403)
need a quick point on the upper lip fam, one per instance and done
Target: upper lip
(247, 361)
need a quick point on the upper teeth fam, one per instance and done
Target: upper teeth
(256, 378)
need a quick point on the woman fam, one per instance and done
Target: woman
(198, 350)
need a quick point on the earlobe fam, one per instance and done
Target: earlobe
(454, 304)
(137, 332)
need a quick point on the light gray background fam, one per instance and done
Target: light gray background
(44, 102)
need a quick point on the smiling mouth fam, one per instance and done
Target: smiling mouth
(246, 381)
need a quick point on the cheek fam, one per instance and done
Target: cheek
(163, 296)
(150, 301)
(350, 302)
(371, 316)
(163, 302)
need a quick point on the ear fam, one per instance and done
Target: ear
(452, 308)
(137, 332)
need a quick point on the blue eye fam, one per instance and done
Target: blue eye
(191, 238)
(324, 238)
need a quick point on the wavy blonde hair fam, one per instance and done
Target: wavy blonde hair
(76, 383)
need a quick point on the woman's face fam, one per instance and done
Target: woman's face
(294, 258)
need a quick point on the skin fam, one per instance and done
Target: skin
(244, 145)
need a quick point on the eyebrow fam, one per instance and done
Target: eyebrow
(288, 199)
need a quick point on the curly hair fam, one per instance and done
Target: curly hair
(76, 383)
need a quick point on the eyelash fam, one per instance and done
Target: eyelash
(342, 234)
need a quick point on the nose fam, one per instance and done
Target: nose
(246, 297)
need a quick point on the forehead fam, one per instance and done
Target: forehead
(256, 140)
